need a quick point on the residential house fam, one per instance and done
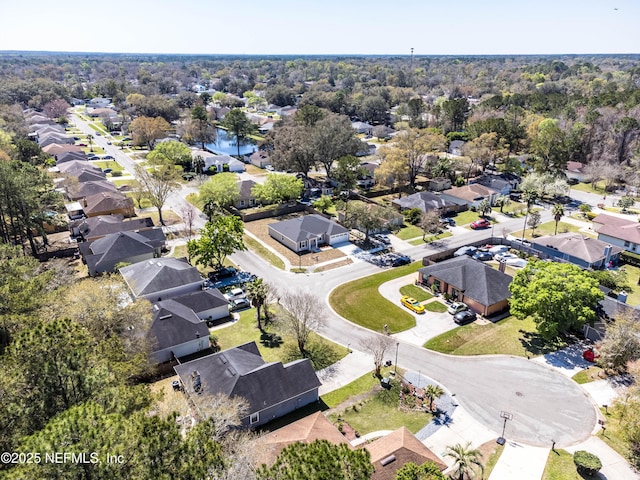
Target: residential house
(470, 195)
(107, 203)
(88, 189)
(438, 184)
(103, 112)
(306, 430)
(362, 128)
(260, 159)
(586, 252)
(455, 147)
(503, 184)
(618, 231)
(270, 389)
(56, 149)
(99, 102)
(575, 171)
(220, 163)
(93, 228)
(87, 175)
(484, 289)
(391, 452)
(104, 254)
(176, 331)
(75, 166)
(161, 278)
(54, 138)
(66, 157)
(427, 201)
(208, 305)
(247, 199)
(308, 232)
(44, 128)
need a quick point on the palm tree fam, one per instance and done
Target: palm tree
(484, 207)
(465, 459)
(90, 140)
(257, 291)
(558, 212)
(503, 201)
(433, 392)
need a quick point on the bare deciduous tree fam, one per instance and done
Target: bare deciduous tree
(378, 347)
(304, 314)
(188, 214)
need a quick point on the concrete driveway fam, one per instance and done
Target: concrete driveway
(428, 324)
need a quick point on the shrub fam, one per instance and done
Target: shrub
(630, 258)
(586, 463)
(116, 173)
(412, 215)
(591, 215)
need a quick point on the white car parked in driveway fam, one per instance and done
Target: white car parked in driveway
(234, 293)
(501, 257)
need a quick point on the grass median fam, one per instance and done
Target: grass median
(360, 302)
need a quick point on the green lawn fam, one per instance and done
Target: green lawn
(586, 187)
(612, 436)
(633, 276)
(264, 252)
(514, 209)
(560, 466)
(494, 456)
(435, 307)
(356, 301)
(131, 182)
(112, 164)
(246, 330)
(588, 375)
(547, 229)
(380, 411)
(408, 232)
(509, 336)
(431, 238)
(168, 216)
(416, 292)
(465, 218)
(359, 386)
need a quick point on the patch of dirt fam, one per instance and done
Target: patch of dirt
(260, 230)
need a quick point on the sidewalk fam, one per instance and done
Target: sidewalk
(341, 373)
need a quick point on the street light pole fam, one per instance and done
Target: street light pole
(395, 365)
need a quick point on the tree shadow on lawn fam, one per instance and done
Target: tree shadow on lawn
(535, 344)
(321, 354)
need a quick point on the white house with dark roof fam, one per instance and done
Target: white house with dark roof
(176, 331)
(208, 305)
(586, 252)
(271, 390)
(618, 231)
(308, 232)
(161, 278)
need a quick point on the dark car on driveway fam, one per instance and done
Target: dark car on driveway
(483, 256)
(464, 317)
(224, 272)
(399, 260)
(449, 221)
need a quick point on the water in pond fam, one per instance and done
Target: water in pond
(226, 145)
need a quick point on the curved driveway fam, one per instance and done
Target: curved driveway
(545, 405)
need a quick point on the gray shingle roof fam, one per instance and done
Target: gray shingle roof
(159, 274)
(174, 324)
(203, 300)
(105, 224)
(114, 248)
(585, 248)
(308, 226)
(479, 281)
(424, 201)
(105, 202)
(242, 372)
(88, 189)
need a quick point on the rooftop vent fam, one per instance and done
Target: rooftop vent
(386, 461)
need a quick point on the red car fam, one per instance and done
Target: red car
(482, 223)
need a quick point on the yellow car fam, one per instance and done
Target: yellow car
(412, 304)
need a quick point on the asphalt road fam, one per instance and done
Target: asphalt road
(544, 405)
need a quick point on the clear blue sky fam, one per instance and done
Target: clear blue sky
(455, 27)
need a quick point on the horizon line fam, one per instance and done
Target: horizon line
(69, 52)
